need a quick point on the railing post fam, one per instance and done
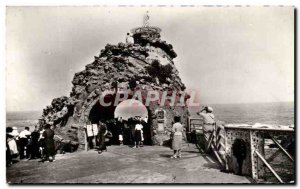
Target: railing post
(210, 141)
(85, 141)
(189, 126)
(226, 151)
(215, 134)
(253, 155)
(257, 144)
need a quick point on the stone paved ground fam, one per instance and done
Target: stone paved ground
(121, 164)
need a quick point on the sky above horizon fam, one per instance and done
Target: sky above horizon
(227, 55)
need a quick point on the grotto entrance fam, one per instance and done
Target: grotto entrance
(130, 110)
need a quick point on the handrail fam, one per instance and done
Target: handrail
(284, 151)
(259, 128)
(217, 137)
(210, 140)
(257, 150)
(215, 140)
(221, 136)
(268, 165)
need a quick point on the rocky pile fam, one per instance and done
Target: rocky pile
(147, 64)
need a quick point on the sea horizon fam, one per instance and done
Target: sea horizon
(273, 113)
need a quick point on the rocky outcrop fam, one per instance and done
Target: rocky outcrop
(145, 65)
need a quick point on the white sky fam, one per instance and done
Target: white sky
(229, 55)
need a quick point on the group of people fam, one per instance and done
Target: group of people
(129, 132)
(29, 145)
(40, 144)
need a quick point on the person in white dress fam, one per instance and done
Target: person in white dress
(138, 134)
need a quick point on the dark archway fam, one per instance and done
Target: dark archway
(106, 114)
(102, 113)
(129, 110)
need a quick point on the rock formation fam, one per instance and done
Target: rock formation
(145, 65)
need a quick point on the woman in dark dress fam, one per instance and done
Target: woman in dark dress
(34, 144)
(101, 137)
(49, 143)
(8, 152)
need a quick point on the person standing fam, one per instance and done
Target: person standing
(138, 134)
(101, 137)
(208, 118)
(120, 127)
(177, 133)
(49, 143)
(144, 122)
(41, 144)
(9, 157)
(34, 144)
(131, 129)
(11, 145)
(15, 134)
(24, 137)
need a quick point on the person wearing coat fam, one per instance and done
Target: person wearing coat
(101, 137)
(48, 135)
(34, 144)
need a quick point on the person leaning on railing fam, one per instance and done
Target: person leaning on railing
(208, 118)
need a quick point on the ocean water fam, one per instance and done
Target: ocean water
(279, 113)
(22, 119)
(264, 113)
(23, 115)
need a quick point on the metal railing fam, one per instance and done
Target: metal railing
(215, 137)
(255, 163)
(219, 140)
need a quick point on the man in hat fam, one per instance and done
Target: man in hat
(208, 118)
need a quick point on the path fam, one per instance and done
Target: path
(121, 164)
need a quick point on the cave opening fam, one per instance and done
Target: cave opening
(131, 111)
